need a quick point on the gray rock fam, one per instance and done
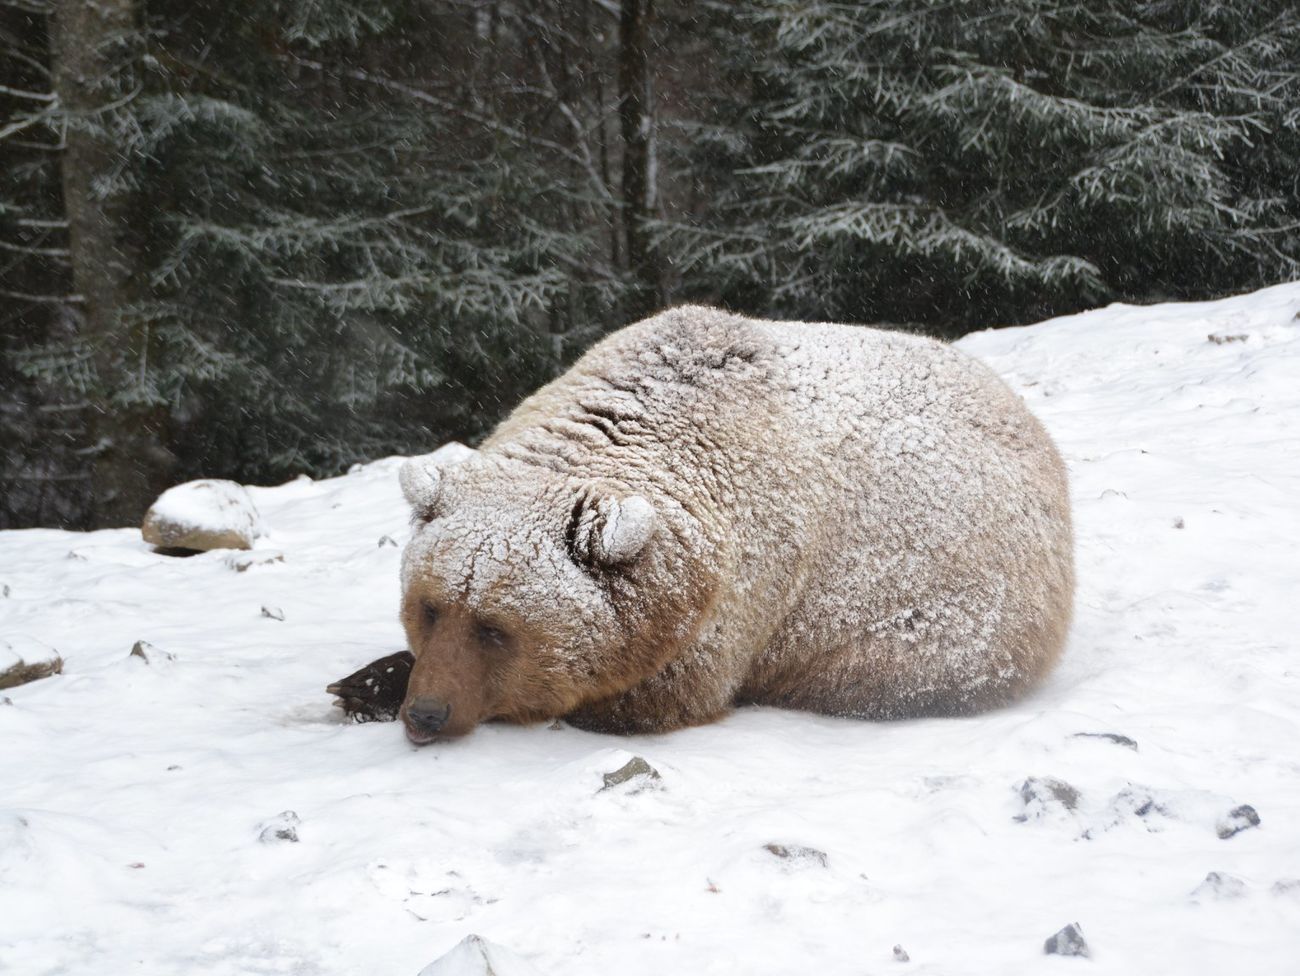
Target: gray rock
(280, 829)
(1119, 740)
(242, 562)
(1237, 819)
(1044, 793)
(900, 954)
(793, 852)
(635, 769)
(25, 659)
(1067, 942)
(1219, 886)
(1286, 888)
(476, 956)
(202, 515)
(274, 613)
(149, 654)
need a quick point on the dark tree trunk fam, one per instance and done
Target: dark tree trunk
(636, 122)
(89, 42)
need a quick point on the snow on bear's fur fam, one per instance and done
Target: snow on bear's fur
(709, 510)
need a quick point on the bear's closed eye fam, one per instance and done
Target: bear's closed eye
(490, 636)
(430, 613)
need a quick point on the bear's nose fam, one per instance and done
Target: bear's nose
(428, 714)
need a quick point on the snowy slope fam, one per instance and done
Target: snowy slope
(133, 795)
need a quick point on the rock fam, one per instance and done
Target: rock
(1223, 338)
(476, 956)
(1238, 819)
(24, 659)
(242, 562)
(793, 852)
(1067, 942)
(1220, 886)
(150, 654)
(1286, 888)
(202, 515)
(635, 768)
(274, 613)
(387, 540)
(1043, 793)
(281, 829)
(900, 954)
(1119, 740)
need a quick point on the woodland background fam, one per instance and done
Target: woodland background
(252, 238)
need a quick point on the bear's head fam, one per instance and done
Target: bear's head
(526, 592)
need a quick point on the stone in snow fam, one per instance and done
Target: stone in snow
(1042, 794)
(202, 515)
(900, 954)
(24, 659)
(635, 769)
(1219, 885)
(282, 828)
(476, 956)
(1067, 942)
(794, 852)
(1238, 819)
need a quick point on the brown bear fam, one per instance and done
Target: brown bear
(709, 510)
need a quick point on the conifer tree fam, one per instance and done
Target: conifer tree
(968, 164)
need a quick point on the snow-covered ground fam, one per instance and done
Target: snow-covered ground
(135, 794)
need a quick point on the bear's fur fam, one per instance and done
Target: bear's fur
(709, 510)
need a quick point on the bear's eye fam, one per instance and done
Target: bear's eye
(490, 636)
(430, 613)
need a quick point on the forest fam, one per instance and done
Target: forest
(251, 240)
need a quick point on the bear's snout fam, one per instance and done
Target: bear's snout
(425, 718)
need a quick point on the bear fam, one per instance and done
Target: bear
(709, 510)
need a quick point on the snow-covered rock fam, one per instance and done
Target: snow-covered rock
(24, 659)
(476, 956)
(203, 515)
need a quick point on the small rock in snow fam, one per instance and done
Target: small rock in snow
(635, 769)
(202, 515)
(149, 654)
(1179, 523)
(275, 613)
(4, 590)
(282, 828)
(1238, 819)
(24, 659)
(387, 540)
(242, 562)
(476, 956)
(5, 700)
(1223, 338)
(1286, 887)
(793, 852)
(1067, 942)
(1219, 885)
(1119, 740)
(1043, 793)
(900, 954)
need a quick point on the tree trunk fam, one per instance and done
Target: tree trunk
(89, 42)
(636, 122)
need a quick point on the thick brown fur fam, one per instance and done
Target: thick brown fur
(708, 510)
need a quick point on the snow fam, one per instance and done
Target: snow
(140, 805)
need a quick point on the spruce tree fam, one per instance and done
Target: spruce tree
(966, 164)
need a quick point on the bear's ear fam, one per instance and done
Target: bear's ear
(606, 530)
(421, 476)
